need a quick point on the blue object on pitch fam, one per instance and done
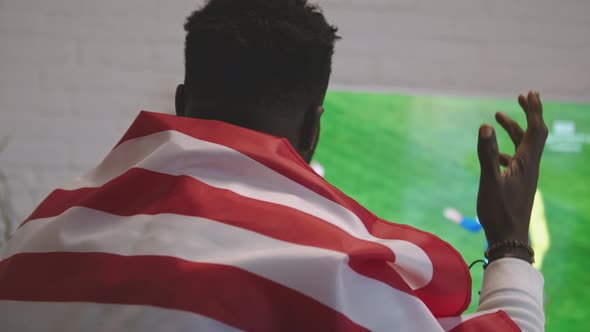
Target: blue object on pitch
(471, 225)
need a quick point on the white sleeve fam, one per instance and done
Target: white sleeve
(515, 287)
(512, 286)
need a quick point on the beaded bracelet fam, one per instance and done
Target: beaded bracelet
(507, 244)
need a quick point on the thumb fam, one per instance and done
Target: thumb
(487, 149)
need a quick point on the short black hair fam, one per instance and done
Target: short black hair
(258, 55)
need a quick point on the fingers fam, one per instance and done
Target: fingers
(523, 101)
(536, 133)
(505, 159)
(534, 111)
(514, 131)
(487, 149)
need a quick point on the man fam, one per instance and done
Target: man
(213, 219)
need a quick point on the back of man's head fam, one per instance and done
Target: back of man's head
(250, 60)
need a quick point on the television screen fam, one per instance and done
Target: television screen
(413, 160)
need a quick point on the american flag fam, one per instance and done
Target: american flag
(195, 225)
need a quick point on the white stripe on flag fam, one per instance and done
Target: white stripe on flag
(174, 153)
(318, 273)
(76, 316)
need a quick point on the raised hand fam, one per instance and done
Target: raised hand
(505, 198)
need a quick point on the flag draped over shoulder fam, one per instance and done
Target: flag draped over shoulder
(200, 225)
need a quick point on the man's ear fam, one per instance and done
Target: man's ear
(310, 134)
(180, 101)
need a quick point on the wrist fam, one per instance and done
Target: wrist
(507, 234)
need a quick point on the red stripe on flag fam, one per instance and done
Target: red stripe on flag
(140, 191)
(273, 152)
(498, 321)
(450, 270)
(226, 294)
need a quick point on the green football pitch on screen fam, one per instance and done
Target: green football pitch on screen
(410, 158)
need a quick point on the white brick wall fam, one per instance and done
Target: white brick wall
(73, 73)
